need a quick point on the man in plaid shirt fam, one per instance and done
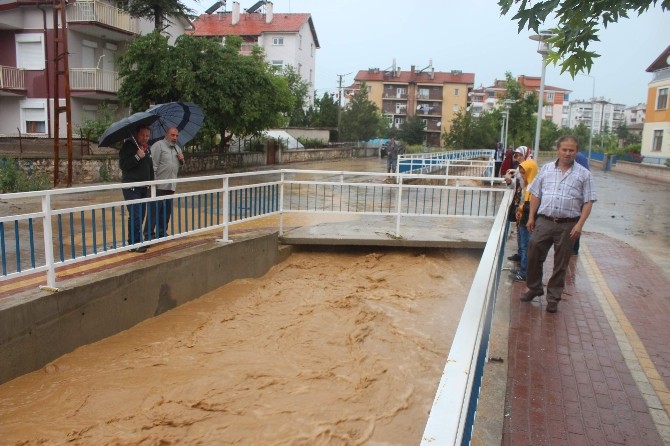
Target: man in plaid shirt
(562, 196)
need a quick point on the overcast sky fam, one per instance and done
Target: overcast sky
(470, 36)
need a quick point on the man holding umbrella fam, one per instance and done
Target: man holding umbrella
(167, 156)
(136, 165)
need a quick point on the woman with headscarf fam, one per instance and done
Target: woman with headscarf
(528, 170)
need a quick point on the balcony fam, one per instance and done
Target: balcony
(393, 95)
(94, 79)
(11, 79)
(102, 20)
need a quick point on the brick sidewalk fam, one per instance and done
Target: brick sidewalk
(598, 371)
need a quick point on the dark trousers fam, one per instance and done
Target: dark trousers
(159, 216)
(548, 234)
(136, 212)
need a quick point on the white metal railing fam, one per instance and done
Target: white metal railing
(50, 234)
(452, 415)
(475, 163)
(104, 13)
(94, 79)
(12, 78)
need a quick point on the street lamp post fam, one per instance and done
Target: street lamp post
(593, 111)
(543, 47)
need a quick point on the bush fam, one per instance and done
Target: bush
(15, 179)
(92, 129)
(311, 143)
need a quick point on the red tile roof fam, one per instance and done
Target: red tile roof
(405, 77)
(221, 24)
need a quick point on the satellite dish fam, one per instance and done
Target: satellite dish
(439, 124)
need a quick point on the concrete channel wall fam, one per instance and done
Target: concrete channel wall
(37, 329)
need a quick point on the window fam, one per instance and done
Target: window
(424, 93)
(455, 108)
(30, 51)
(456, 91)
(662, 98)
(311, 49)
(278, 65)
(299, 41)
(34, 116)
(401, 92)
(278, 41)
(657, 142)
(550, 96)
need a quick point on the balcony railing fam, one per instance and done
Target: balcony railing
(11, 78)
(95, 79)
(95, 11)
(661, 75)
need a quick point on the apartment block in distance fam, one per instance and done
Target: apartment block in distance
(286, 39)
(435, 96)
(656, 131)
(96, 32)
(605, 115)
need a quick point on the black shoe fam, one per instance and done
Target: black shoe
(518, 277)
(528, 296)
(140, 249)
(552, 307)
(514, 258)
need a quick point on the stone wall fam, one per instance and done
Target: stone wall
(104, 166)
(648, 171)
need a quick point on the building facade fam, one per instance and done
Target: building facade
(605, 115)
(434, 96)
(96, 33)
(286, 39)
(489, 98)
(656, 131)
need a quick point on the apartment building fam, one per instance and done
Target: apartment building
(435, 96)
(96, 33)
(286, 39)
(606, 116)
(489, 98)
(656, 131)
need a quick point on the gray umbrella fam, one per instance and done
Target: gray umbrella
(125, 127)
(187, 117)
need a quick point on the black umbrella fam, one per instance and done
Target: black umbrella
(187, 117)
(125, 127)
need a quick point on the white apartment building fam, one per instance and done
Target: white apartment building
(96, 32)
(605, 115)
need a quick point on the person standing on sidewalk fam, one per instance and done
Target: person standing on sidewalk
(528, 170)
(562, 196)
(167, 156)
(391, 157)
(136, 165)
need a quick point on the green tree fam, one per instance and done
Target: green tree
(361, 120)
(156, 10)
(578, 25)
(549, 133)
(412, 131)
(522, 113)
(581, 132)
(325, 111)
(147, 72)
(299, 89)
(470, 132)
(240, 95)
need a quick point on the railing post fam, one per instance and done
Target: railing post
(398, 205)
(48, 244)
(281, 205)
(226, 208)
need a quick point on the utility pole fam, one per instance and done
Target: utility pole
(339, 105)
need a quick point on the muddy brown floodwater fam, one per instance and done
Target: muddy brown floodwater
(344, 347)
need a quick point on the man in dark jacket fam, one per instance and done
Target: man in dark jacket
(136, 165)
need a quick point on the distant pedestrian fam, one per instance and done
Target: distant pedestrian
(499, 158)
(391, 156)
(528, 170)
(136, 165)
(562, 196)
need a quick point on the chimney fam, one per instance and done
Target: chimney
(268, 12)
(236, 13)
(412, 70)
